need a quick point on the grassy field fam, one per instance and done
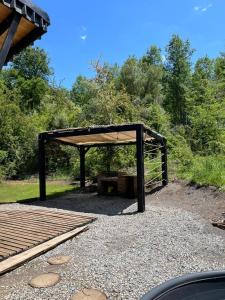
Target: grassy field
(209, 170)
(16, 191)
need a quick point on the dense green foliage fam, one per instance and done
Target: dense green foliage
(185, 102)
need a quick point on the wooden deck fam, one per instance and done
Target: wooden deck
(21, 230)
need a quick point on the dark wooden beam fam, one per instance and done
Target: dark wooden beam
(82, 166)
(5, 24)
(25, 42)
(95, 145)
(164, 164)
(91, 130)
(154, 134)
(140, 168)
(9, 38)
(42, 166)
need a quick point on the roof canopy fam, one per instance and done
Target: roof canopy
(22, 23)
(110, 135)
(102, 135)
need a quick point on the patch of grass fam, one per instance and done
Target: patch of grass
(23, 190)
(209, 170)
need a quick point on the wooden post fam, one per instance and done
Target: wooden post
(9, 38)
(164, 164)
(82, 166)
(42, 177)
(140, 168)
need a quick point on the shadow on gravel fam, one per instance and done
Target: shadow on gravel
(84, 202)
(87, 203)
(154, 190)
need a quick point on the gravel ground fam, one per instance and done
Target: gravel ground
(125, 254)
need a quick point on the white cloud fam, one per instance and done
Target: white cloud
(83, 37)
(196, 8)
(202, 8)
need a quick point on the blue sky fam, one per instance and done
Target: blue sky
(85, 30)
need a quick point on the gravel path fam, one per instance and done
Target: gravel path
(123, 255)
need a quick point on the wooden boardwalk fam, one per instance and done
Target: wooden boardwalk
(21, 230)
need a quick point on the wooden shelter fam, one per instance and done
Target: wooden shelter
(102, 136)
(21, 23)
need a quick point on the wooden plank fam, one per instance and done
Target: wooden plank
(19, 259)
(32, 227)
(36, 220)
(25, 230)
(58, 222)
(33, 236)
(9, 247)
(41, 227)
(61, 219)
(4, 254)
(61, 214)
(40, 224)
(16, 239)
(13, 234)
(53, 218)
(13, 242)
(24, 29)
(6, 251)
(46, 220)
(5, 12)
(23, 223)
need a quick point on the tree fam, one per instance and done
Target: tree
(142, 78)
(153, 56)
(83, 90)
(18, 140)
(152, 73)
(202, 89)
(32, 63)
(207, 128)
(29, 74)
(109, 106)
(220, 77)
(130, 77)
(220, 67)
(178, 78)
(58, 109)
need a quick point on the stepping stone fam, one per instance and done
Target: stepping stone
(89, 294)
(45, 280)
(59, 260)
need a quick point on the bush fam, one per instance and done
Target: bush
(208, 170)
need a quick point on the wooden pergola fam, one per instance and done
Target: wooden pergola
(21, 23)
(105, 136)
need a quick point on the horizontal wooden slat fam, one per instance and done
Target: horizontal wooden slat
(17, 260)
(10, 247)
(21, 230)
(24, 230)
(50, 217)
(15, 242)
(16, 235)
(32, 226)
(6, 251)
(39, 223)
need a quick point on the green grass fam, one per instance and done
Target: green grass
(209, 170)
(23, 190)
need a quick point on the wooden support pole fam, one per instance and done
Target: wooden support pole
(9, 38)
(164, 164)
(82, 166)
(140, 168)
(42, 177)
